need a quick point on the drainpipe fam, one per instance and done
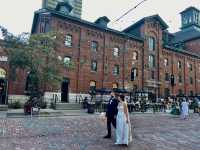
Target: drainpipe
(143, 67)
(185, 83)
(123, 64)
(103, 66)
(195, 77)
(78, 62)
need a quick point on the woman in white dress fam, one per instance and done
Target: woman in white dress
(184, 109)
(123, 126)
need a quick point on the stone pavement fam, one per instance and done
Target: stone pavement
(151, 132)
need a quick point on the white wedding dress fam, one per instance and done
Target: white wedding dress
(123, 129)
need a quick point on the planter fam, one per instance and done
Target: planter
(91, 108)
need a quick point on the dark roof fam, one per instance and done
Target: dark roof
(190, 8)
(174, 49)
(157, 17)
(187, 34)
(102, 18)
(66, 4)
(80, 21)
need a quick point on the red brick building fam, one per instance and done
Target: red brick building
(161, 62)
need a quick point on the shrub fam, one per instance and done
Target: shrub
(15, 105)
(43, 105)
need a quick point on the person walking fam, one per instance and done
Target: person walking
(111, 113)
(123, 126)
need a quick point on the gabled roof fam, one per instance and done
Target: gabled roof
(157, 17)
(79, 21)
(187, 34)
(190, 8)
(174, 49)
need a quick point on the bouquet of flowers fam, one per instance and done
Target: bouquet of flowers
(103, 117)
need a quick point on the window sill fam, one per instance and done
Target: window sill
(68, 46)
(93, 71)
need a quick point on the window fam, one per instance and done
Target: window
(180, 92)
(94, 65)
(179, 65)
(166, 76)
(115, 85)
(191, 80)
(167, 92)
(190, 67)
(134, 74)
(180, 78)
(135, 56)
(116, 52)
(191, 93)
(42, 27)
(116, 70)
(166, 63)
(68, 40)
(152, 75)
(94, 46)
(151, 43)
(151, 61)
(67, 60)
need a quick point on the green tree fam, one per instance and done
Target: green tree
(37, 55)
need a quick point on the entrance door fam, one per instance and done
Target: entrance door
(3, 90)
(65, 91)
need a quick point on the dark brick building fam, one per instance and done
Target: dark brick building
(104, 57)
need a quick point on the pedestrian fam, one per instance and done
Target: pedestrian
(123, 126)
(184, 109)
(111, 113)
(85, 103)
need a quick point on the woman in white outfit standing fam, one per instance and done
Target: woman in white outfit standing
(123, 126)
(184, 109)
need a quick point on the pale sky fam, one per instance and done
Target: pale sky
(17, 15)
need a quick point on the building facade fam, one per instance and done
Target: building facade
(145, 56)
(76, 4)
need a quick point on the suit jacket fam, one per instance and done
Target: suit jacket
(112, 107)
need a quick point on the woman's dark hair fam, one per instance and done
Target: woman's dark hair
(122, 97)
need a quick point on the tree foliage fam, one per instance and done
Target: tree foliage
(36, 55)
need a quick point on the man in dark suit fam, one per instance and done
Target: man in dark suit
(111, 113)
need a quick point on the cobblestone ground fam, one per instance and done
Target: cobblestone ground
(151, 132)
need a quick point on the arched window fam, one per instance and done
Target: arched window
(31, 82)
(166, 63)
(67, 60)
(94, 46)
(94, 65)
(151, 43)
(179, 65)
(152, 61)
(116, 70)
(135, 56)
(134, 74)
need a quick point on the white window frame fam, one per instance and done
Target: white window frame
(68, 40)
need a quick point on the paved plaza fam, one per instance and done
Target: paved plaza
(151, 132)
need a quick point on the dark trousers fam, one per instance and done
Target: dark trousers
(109, 121)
